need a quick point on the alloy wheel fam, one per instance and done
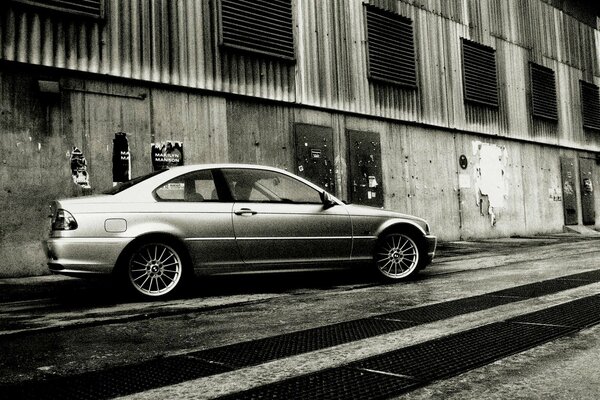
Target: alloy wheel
(397, 256)
(155, 269)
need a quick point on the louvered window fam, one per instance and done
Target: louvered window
(543, 92)
(86, 8)
(590, 105)
(259, 26)
(391, 47)
(480, 78)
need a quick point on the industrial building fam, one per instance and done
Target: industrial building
(482, 116)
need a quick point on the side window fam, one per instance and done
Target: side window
(194, 187)
(268, 186)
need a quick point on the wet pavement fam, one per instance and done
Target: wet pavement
(61, 331)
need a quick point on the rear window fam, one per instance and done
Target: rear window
(126, 185)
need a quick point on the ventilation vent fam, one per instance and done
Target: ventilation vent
(391, 47)
(88, 8)
(259, 26)
(480, 75)
(543, 92)
(590, 105)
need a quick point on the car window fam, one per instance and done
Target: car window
(268, 186)
(127, 184)
(193, 187)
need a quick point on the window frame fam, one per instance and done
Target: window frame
(392, 15)
(251, 50)
(220, 195)
(543, 69)
(229, 183)
(595, 87)
(63, 10)
(467, 96)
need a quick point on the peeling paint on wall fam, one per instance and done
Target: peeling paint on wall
(490, 177)
(79, 168)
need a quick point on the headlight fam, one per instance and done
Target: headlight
(63, 221)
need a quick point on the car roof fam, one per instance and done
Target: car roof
(150, 184)
(193, 167)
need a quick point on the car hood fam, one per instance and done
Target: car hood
(367, 211)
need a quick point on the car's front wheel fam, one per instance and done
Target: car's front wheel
(397, 256)
(155, 269)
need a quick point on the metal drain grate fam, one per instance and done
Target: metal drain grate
(593, 276)
(542, 288)
(577, 314)
(337, 383)
(441, 358)
(449, 309)
(148, 375)
(272, 348)
(116, 382)
(454, 354)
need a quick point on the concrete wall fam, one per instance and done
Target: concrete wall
(421, 173)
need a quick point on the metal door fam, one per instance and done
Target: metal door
(588, 212)
(567, 167)
(365, 168)
(314, 155)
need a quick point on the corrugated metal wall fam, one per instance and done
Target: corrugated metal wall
(163, 41)
(173, 42)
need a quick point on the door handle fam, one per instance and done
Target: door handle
(243, 211)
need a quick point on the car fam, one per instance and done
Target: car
(155, 231)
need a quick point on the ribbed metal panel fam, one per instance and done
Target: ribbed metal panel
(391, 47)
(263, 26)
(173, 42)
(480, 77)
(590, 105)
(543, 92)
(90, 8)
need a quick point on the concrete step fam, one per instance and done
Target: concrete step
(581, 229)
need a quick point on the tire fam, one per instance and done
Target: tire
(397, 256)
(155, 269)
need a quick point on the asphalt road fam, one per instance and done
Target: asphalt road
(59, 329)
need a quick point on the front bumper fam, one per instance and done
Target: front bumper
(83, 256)
(430, 246)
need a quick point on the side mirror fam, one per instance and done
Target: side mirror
(328, 201)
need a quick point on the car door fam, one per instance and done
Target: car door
(200, 213)
(278, 219)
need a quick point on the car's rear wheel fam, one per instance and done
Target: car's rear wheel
(397, 256)
(155, 269)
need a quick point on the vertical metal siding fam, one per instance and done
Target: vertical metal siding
(173, 42)
(163, 41)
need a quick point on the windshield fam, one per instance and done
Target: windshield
(126, 185)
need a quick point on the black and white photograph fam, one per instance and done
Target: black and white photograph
(299, 199)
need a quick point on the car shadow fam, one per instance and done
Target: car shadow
(279, 282)
(75, 293)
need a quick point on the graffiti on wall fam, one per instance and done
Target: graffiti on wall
(79, 168)
(490, 178)
(167, 154)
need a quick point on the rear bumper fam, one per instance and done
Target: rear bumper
(83, 256)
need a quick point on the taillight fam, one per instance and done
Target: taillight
(63, 221)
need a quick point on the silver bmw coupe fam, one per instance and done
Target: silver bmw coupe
(154, 231)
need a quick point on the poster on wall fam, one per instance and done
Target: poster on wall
(121, 161)
(79, 169)
(167, 154)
